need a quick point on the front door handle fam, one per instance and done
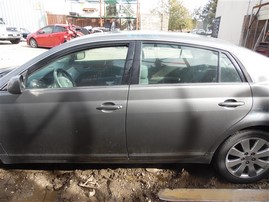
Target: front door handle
(231, 103)
(108, 107)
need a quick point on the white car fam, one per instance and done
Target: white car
(9, 33)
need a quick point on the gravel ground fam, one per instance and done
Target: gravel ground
(95, 183)
(17, 54)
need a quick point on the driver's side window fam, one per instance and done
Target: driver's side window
(94, 67)
(45, 76)
(47, 30)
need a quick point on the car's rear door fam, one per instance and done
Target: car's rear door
(84, 122)
(57, 36)
(185, 100)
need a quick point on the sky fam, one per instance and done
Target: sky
(193, 4)
(146, 5)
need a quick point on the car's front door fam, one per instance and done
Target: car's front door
(43, 36)
(187, 97)
(73, 108)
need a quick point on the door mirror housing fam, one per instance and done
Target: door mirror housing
(41, 32)
(15, 85)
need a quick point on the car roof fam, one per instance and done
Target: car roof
(187, 38)
(242, 54)
(62, 25)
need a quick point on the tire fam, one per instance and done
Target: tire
(16, 41)
(244, 157)
(33, 43)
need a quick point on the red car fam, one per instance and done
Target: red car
(52, 35)
(263, 48)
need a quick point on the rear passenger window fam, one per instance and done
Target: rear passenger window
(168, 64)
(162, 63)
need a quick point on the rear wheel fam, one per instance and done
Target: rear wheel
(33, 43)
(244, 158)
(15, 41)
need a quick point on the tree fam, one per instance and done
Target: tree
(162, 10)
(179, 17)
(111, 10)
(207, 13)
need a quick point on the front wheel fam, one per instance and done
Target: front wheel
(33, 43)
(244, 157)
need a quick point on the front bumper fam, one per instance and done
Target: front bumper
(10, 36)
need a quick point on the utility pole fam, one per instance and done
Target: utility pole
(162, 11)
(137, 15)
(101, 20)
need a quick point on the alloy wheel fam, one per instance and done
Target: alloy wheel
(248, 158)
(33, 43)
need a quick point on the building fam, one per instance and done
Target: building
(34, 14)
(240, 22)
(29, 14)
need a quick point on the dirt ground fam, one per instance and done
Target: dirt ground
(107, 183)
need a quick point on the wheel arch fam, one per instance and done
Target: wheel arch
(214, 150)
(243, 157)
(32, 38)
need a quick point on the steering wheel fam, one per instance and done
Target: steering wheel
(62, 79)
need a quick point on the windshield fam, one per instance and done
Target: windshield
(4, 71)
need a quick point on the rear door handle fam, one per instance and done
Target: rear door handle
(108, 107)
(231, 103)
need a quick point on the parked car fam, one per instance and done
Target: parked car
(52, 35)
(9, 33)
(82, 30)
(5, 70)
(140, 97)
(198, 31)
(263, 48)
(93, 30)
(24, 33)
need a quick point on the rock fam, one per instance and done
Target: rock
(153, 170)
(90, 183)
(92, 193)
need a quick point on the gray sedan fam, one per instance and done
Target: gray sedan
(140, 97)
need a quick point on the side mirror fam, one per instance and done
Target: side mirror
(15, 85)
(80, 55)
(41, 32)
